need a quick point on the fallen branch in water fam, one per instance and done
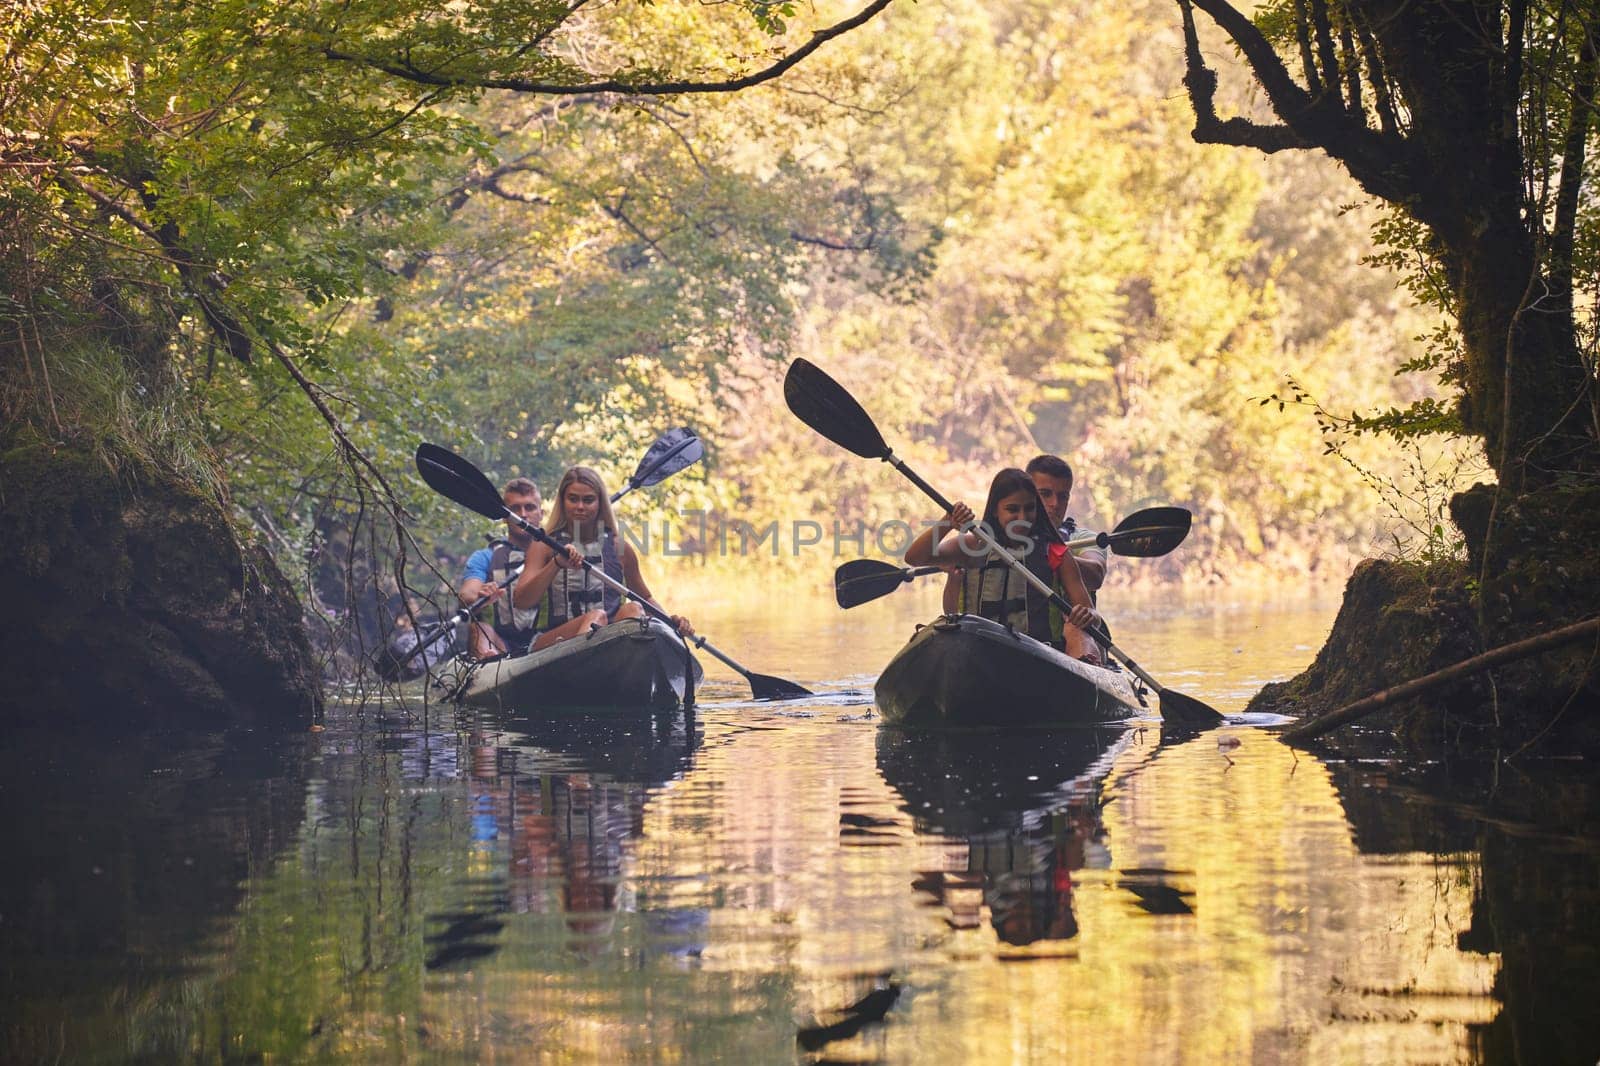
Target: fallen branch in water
(1325, 723)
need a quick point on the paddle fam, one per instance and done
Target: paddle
(448, 626)
(1139, 535)
(864, 580)
(454, 477)
(674, 450)
(825, 406)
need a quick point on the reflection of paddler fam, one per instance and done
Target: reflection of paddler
(1031, 899)
(1026, 809)
(570, 599)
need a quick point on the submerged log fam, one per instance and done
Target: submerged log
(1325, 723)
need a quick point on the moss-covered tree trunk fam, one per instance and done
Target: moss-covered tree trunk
(1474, 119)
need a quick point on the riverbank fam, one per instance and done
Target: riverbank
(1533, 569)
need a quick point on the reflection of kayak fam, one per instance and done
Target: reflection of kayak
(632, 663)
(633, 746)
(961, 670)
(968, 783)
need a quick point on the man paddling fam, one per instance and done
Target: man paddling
(511, 630)
(1053, 478)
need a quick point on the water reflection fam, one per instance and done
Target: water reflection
(126, 853)
(770, 883)
(555, 802)
(1022, 816)
(1533, 829)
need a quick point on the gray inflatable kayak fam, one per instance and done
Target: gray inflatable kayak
(632, 663)
(964, 671)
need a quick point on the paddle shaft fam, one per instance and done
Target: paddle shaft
(449, 624)
(1100, 635)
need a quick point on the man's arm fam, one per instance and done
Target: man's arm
(474, 576)
(1092, 565)
(481, 640)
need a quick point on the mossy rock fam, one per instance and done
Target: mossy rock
(134, 598)
(1398, 621)
(1534, 566)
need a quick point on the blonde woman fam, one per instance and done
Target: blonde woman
(571, 599)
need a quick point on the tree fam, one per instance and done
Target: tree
(183, 183)
(1474, 120)
(208, 212)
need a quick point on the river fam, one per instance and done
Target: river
(763, 883)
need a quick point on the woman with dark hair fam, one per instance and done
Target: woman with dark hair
(571, 599)
(990, 588)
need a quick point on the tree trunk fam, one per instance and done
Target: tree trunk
(1527, 392)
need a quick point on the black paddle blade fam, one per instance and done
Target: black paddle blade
(823, 404)
(766, 687)
(1186, 711)
(675, 450)
(452, 476)
(1146, 543)
(1176, 517)
(864, 580)
(1150, 532)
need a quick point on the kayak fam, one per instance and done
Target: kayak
(637, 662)
(961, 670)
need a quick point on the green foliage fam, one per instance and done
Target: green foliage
(1102, 288)
(1417, 494)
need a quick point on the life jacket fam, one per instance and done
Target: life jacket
(1058, 552)
(572, 592)
(1069, 526)
(509, 621)
(997, 592)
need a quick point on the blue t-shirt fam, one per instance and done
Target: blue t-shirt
(478, 565)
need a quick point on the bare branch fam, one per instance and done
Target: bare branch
(1201, 81)
(1378, 78)
(494, 187)
(1378, 162)
(354, 457)
(1330, 58)
(1573, 157)
(1308, 61)
(834, 245)
(1351, 60)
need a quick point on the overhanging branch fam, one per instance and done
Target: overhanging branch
(1201, 82)
(1378, 161)
(405, 70)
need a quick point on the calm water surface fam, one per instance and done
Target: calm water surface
(791, 883)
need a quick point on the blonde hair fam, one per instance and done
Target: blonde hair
(558, 513)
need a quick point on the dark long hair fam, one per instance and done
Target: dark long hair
(1004, 484)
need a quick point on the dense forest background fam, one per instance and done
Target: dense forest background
(269, 255)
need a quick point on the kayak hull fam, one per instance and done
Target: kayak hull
(631, 663)
(962, 671)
